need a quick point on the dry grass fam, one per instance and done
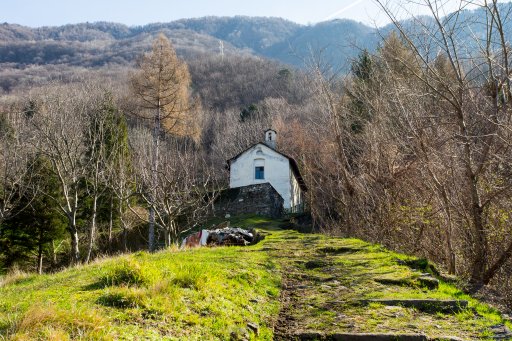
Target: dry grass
(15, 275)
(45, 322)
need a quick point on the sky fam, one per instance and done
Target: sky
(35, 13)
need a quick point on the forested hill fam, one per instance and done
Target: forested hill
(97, 44)
(38, 52)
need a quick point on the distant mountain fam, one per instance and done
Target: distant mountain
(338, 41)
(96, 44)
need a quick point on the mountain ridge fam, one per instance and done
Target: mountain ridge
(31, 56)
(268, 37)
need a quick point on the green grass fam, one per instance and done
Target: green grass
(199, 294)
(214, 293)
(331, 276)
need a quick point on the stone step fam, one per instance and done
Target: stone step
(365, 337)
(425, 305)
(425, 280)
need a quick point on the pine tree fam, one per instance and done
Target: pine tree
(38, 223)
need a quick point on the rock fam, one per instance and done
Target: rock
(448, 278)
(241, 334)
(315, 264)
(338, 250)
(360, 337)
(230, 236)
(393, 281)
(428, 281)
(425, 279)
(391, 307)
(254, 327)
(501, 332)
(425, 305)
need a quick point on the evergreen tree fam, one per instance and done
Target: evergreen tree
(362, 70)
(38, 223)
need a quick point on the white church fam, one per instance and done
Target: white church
(261, 163)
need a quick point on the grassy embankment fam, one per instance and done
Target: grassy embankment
(233, 293)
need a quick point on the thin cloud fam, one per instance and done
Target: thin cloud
(346, 8)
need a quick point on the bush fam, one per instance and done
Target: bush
(123, 298)
(190, 276)
(129, 273)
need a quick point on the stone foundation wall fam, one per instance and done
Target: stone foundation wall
(260, 199)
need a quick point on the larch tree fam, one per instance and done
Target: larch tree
(161, 87)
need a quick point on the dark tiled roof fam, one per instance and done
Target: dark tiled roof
(293, 164)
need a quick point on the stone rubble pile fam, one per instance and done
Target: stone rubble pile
(227, 236)
(230, 236)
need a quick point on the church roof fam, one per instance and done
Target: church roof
(293, 164)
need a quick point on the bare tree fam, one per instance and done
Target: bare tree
(102, 143)
(121, 179)
(59, 127)
(185, 186)
(15, 160)
(469, 121)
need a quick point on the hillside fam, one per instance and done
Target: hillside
(288, 286)
(96, 44)
(30, 56)
(101, 43)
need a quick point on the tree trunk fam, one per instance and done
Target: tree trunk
(479, 240)
(154, 179)
(40, 254)
(505, 256)
(54, 254)
(120, 211)
(478, 233)
(151, 236)
(110, 224)
(92, 232)
(449, 234)
(125, 239)
(75, 247)
(167, 238)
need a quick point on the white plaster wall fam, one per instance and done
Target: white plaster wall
(277, 171)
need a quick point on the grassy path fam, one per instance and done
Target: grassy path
(289, 286)
(333, 288)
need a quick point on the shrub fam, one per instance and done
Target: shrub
(190, 276)
(123, 298)
(128, 273)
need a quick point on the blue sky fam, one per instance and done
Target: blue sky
(36, 13)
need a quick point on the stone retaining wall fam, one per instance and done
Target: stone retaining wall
(260, 199)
